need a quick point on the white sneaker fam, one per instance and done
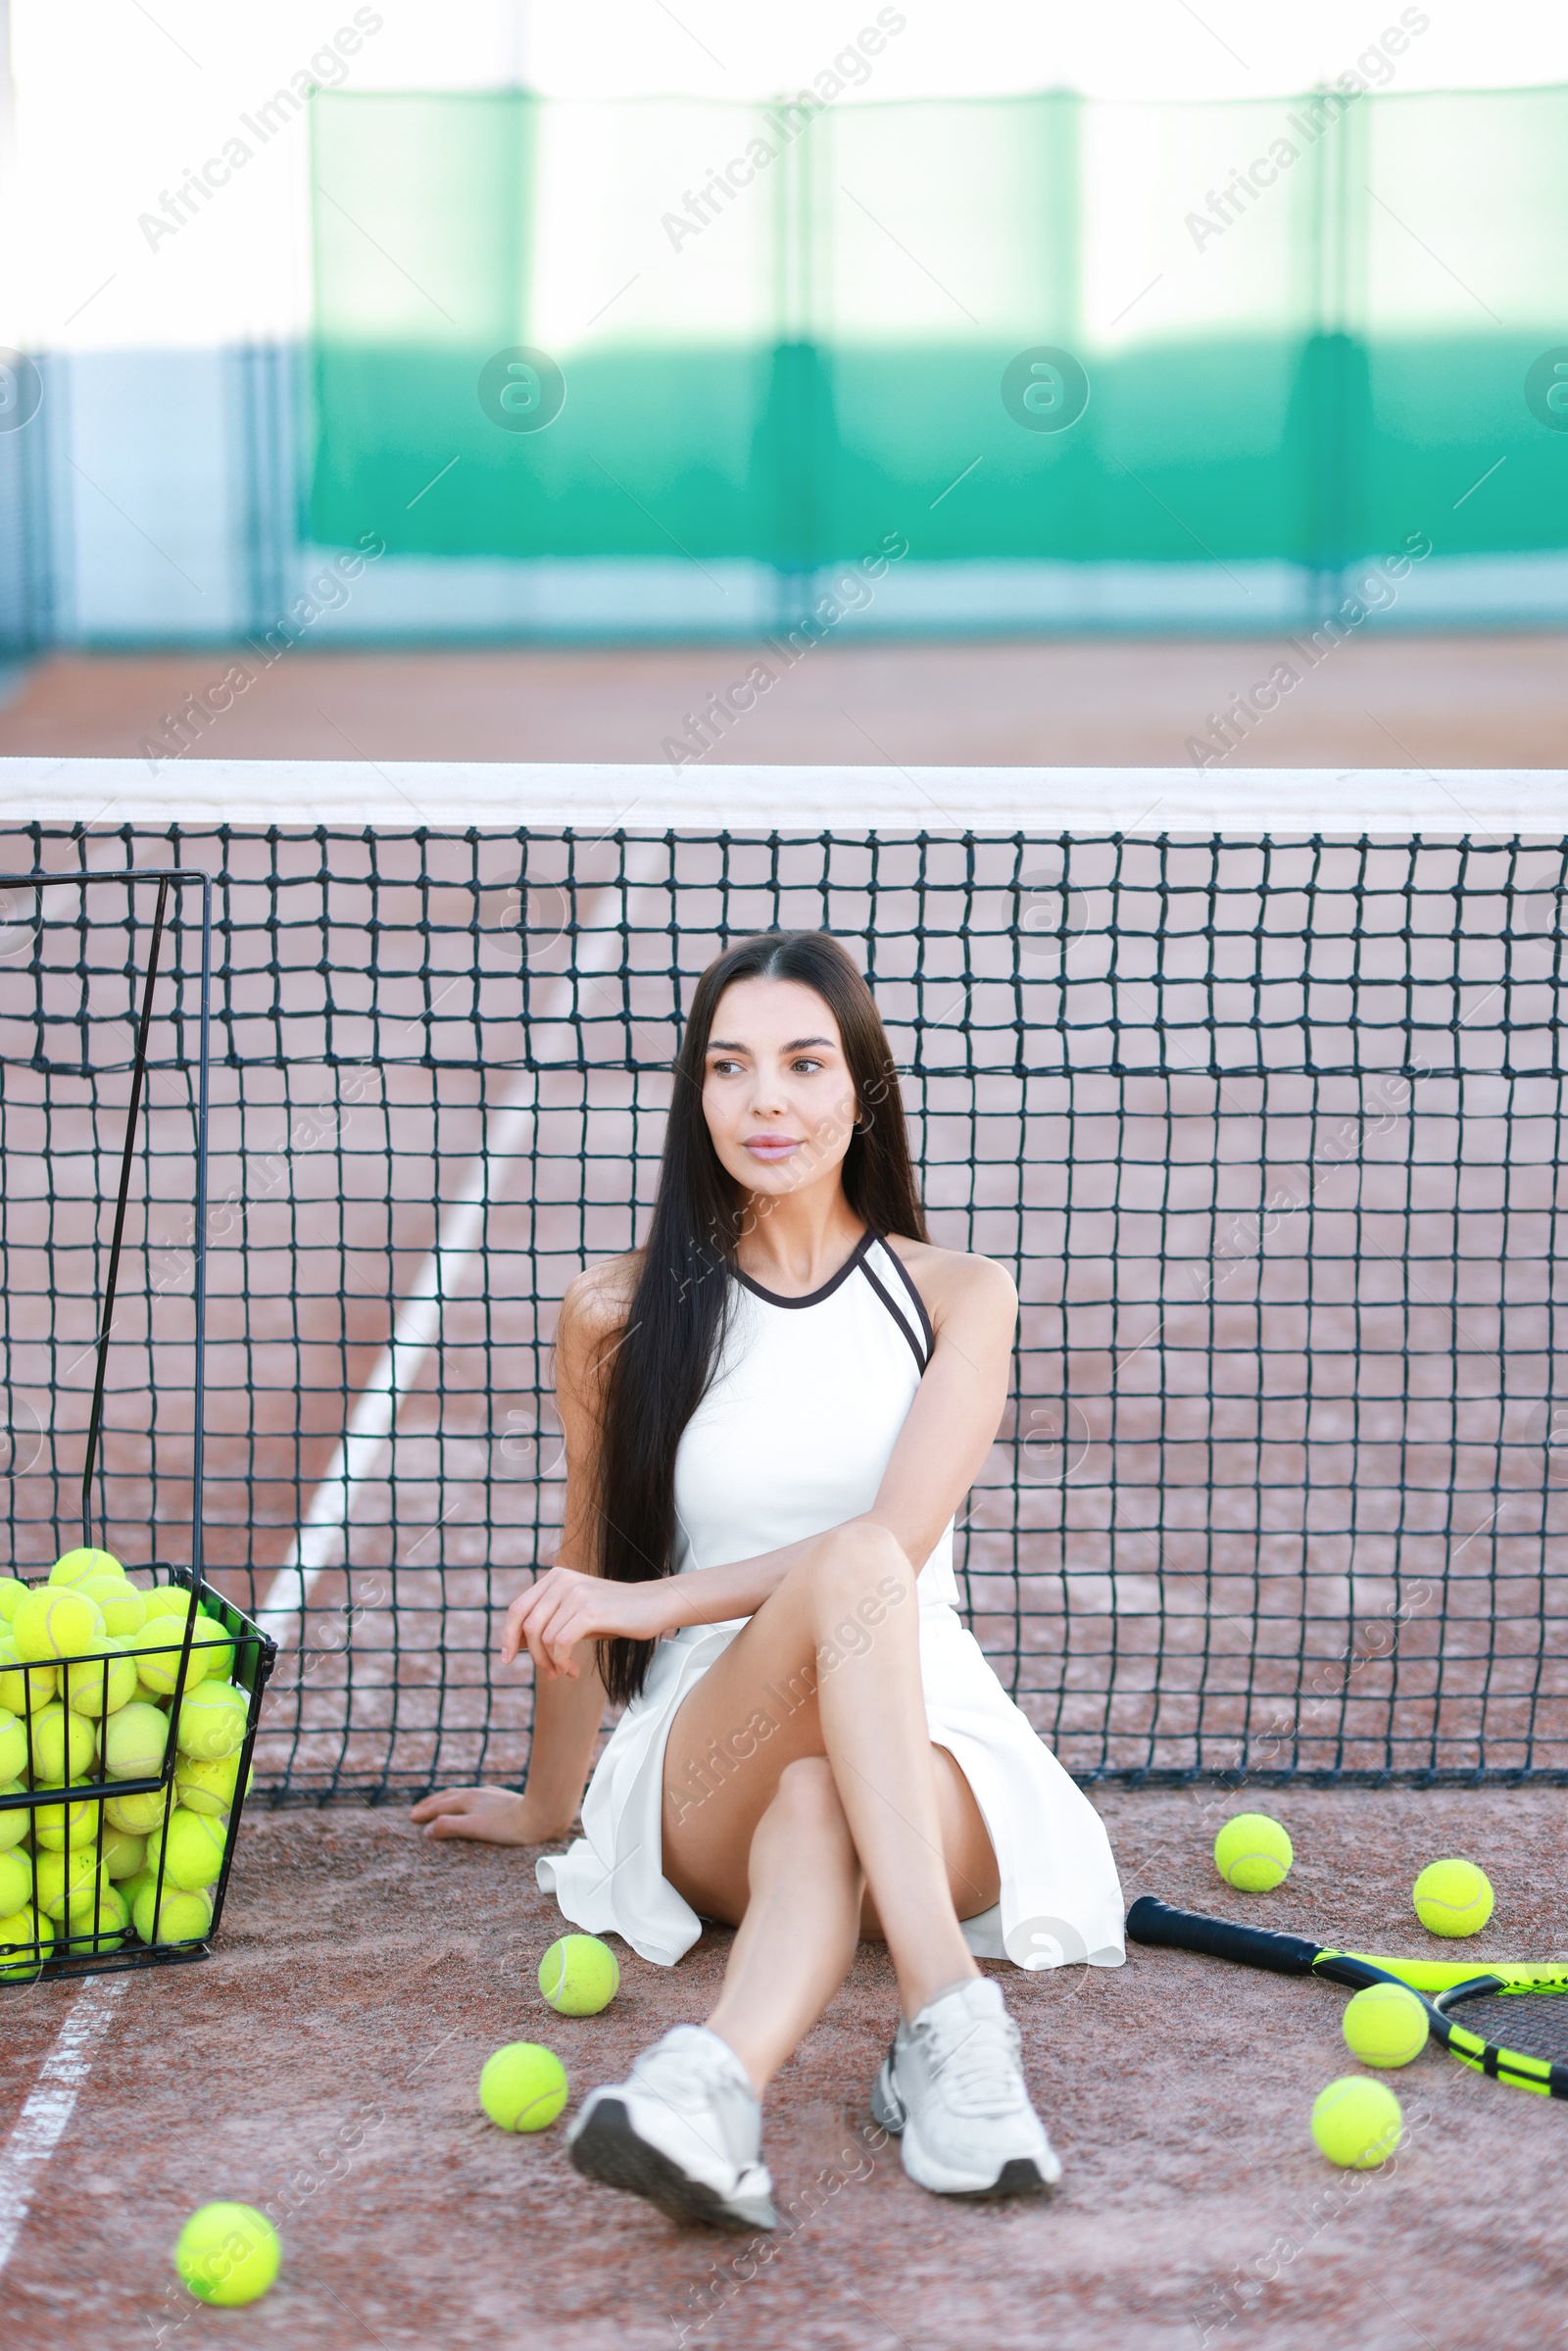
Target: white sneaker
(685, 2131)
(952, 2086)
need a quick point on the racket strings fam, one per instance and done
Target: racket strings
(1532, 2023)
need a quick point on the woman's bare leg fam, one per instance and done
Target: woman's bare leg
(829, 1667)
(802, 1921)
(809, 1906)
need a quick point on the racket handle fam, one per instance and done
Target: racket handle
(1153, 1922)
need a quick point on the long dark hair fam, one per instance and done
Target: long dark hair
(665, 1356)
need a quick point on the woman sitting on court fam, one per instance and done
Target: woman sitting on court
(773, 1411)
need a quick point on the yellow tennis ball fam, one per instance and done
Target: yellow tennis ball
(1357, 2123)
(207, 1786)
(579, 1974)
(104, 1684)
(158, 1646)
(13, 1745)
(12, 1595)
(55, 1827)
(1252, 1853)
(193, 1845)
(134, 1739)
(120, 1605)
(98, 1918)
(180, 1917)
(74, 1567)
(69, 1883)
(65, 1745)
(523, 2086)
(23, 1689)
(212, 1722)
(229, 2254)
(16, 1964)
(138, 1815)
(1385, 2025)
(54, 1621)
(16, 1882)
(121, 1854)
(1452, 1898)
(16, 1819)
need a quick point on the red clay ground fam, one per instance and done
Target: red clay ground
(1479, 700)
(362, 1976)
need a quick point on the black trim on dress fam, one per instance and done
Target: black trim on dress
(816, 1296)
(919, 1302)
(920, 1361)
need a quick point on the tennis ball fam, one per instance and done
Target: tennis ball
(212, 1722)
(157, 1648)
(523, 2087)
(13, 1745)
(55, 1827)
(229, 2254)
(12, 1595)
(69, 1882)
(16, 1882)
(105, 1683)
(121, 1854)
(26, 1926)
(1452, 1898)
(207, 1786)
(74, 1567)
(134, 1740)
(15, 1819)
(181, 1917)
(120, 1605)
(65, 1745)
(1385, 2025)
(138, 1815)
(53, 1621)
(97, 1918)
(579, 1974)
(1357, 2122)
(192, 1847)
(1252, 1853)
(23, 1689)
(169, 1599)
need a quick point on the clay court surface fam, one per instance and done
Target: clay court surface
(1460, 701)
(363, 1976)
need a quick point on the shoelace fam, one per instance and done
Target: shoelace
(978, 2066)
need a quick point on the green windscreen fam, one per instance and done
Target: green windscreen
(1028, 327)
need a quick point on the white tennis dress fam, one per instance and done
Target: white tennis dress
(792, 1438)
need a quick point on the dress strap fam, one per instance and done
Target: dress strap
(903, 1302)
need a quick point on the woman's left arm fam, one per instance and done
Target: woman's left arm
(951, 1428)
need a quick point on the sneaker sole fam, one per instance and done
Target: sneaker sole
(1020, 2176)
(608, 2150)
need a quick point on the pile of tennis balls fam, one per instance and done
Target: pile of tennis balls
(523, 2086)
(1358, 2122)
(88, 1870)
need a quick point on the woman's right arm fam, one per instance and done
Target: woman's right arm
(568, 1708)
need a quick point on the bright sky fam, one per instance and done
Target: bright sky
(117, 101)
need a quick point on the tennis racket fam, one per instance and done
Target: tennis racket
(1507, 2021)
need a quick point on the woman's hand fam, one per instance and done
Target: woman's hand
(564, 1607)
(496, 1816)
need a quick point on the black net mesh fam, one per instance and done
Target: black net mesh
(1268, 1129)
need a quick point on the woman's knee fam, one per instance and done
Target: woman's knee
(806, 1801)
(857, 1576)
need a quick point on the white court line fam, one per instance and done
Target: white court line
(323, 1540)
(41, 2124)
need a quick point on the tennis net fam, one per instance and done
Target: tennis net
(1257, 1087)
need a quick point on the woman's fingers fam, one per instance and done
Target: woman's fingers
(493, 1815)
(442, 1800)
